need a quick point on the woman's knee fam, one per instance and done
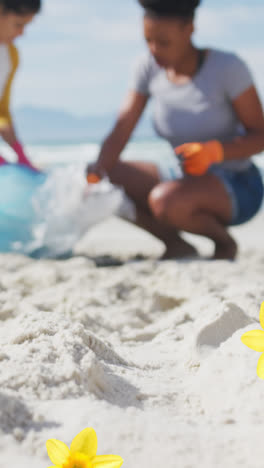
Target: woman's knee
(157, 201)
(172, 204)
(162, 201)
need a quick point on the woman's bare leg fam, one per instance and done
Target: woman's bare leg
(199, 205)
(176, 247)
(138, 180)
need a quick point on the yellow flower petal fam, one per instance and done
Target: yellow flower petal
(85, 442)
(57, 451)
(261, 315)
(254, 339)
(107, 461)
(260, 368)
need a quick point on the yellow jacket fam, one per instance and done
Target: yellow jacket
(5, 116)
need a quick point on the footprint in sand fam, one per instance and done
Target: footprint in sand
(13, 414)
(163, 303)
(17, 418)
(232, 319)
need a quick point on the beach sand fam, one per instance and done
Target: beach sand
(148, 353)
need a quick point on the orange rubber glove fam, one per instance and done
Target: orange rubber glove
(92, 178)
(198, 157)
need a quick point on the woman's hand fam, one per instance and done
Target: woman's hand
(95, 169)
(22, 158)
(198, 157)
(7, 132)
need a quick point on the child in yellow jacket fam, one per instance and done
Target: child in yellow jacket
(15, 15)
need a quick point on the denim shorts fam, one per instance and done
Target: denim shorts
(244, 187)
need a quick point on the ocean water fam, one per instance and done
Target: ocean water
(152, 150)
(49, 155)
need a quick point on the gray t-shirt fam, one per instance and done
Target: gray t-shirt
(201, 109)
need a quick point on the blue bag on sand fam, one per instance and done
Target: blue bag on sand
(17, 187)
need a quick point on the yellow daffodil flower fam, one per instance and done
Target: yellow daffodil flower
(254, 339)
(81, 454)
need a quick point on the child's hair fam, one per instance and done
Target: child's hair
(21, 7)
(170, 8)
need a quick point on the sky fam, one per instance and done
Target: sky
(78, 55)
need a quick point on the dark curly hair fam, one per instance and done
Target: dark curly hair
(170, 8)
(21, 7)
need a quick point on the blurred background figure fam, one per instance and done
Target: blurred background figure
(206, 105)
(15, 15)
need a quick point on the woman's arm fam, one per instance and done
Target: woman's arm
(8, 134)
(250, 113)
(113, 145)
(198, 157)
(6, 126)
(7, 130)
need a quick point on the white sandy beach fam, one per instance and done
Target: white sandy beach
(147, 353)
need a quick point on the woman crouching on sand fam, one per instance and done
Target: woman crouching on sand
(205, 105)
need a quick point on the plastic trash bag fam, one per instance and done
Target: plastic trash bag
(66, 207)
(51, 212)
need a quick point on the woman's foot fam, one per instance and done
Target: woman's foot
(226, 251)
(179, 249)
